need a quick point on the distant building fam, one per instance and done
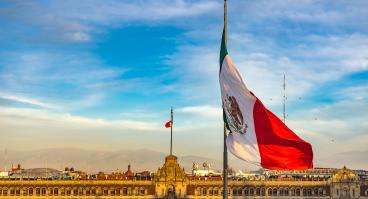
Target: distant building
(171, 180)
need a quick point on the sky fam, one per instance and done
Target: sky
(103, 75)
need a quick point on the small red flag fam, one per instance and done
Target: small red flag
(168, 124)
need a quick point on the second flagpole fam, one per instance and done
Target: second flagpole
(171, 126)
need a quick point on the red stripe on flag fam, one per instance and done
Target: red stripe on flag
(279, 147)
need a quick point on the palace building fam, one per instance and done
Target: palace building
(171, 181)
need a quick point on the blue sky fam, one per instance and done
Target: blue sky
(104, 74)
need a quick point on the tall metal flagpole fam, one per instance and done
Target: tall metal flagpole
(171, 126)
(225, 147)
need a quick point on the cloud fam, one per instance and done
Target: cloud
(67, 80)
(36, 117)
(203, 111)
(28, 101)
(292, 15)
(78, 22)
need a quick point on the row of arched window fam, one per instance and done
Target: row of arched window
(69, 191)
(262, 191)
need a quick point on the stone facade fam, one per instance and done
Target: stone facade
(171, 181)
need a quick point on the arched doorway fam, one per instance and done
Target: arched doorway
(171, 192)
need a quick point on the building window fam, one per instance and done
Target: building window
(309, 192)
(258, 191)
(240, 192)
(274, 192)
(56, 191)
(344, 193)
(337, 191)
(38, 191)
(43, 191)
(269, 192)
(30, 191)
(297, 192)
(17, 192)
(204, 191)
(281, 192)
(315, 192)
(12, 192)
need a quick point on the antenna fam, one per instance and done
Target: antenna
(284, 99)
(5, 159)
(46, 169)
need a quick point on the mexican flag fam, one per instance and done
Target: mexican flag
(256, 134)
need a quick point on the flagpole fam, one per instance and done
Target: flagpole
(171, 126)
(225, 194)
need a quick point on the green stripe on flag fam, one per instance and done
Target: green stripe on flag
(223, 51)
(225, 120)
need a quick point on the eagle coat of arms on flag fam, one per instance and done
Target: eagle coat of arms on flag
(234, 115)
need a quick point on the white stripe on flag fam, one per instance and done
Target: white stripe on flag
(243, 145)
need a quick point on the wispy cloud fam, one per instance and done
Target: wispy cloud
(76, 22)
(203, 111)
(35, 117)
(28, 101)
(67, 80)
